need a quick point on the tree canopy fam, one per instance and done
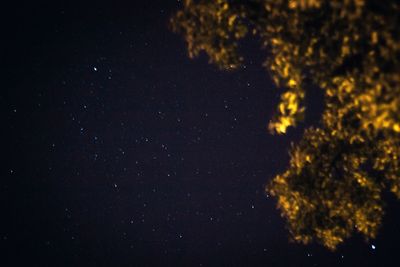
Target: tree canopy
(349, 49)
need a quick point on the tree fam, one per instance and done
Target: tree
(350, 49)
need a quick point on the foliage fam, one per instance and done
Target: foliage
(350, 49)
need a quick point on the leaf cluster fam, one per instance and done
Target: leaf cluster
(350, 49)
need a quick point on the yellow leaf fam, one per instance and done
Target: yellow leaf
(292, 83)
(231, 20)
(374, 37)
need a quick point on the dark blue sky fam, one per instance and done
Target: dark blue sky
(120, 151)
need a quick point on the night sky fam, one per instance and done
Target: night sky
(118, 150)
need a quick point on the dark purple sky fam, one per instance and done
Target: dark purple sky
(120, 151)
